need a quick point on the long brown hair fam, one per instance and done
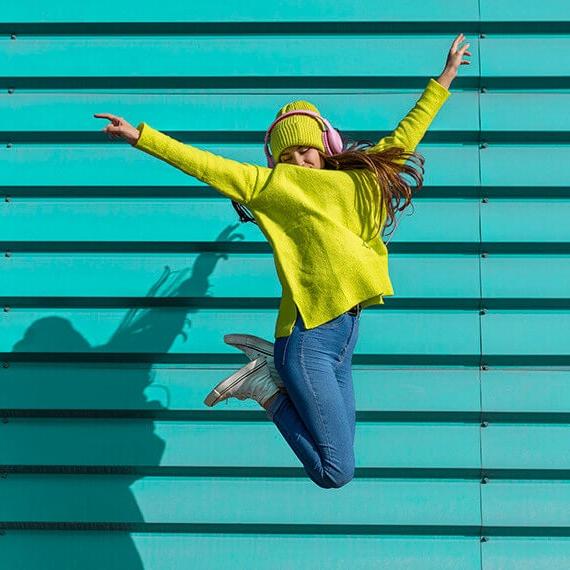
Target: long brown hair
(386, 165)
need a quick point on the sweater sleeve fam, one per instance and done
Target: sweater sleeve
(412, 128)
(239, 181)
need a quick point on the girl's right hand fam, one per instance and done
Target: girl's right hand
(119, 128)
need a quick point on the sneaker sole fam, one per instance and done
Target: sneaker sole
(234, 380)
(250, 341)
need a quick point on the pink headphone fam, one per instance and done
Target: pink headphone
(332, 140)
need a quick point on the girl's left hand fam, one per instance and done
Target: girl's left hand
(455, 56)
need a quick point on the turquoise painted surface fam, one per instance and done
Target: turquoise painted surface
(117, 293)
(245, 11)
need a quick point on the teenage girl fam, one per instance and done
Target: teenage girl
(322, 205)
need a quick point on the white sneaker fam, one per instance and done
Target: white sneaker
(255, 347)
(251, 381)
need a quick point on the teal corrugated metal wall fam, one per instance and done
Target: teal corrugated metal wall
(120, 275)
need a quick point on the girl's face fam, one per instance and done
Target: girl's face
(306, 156)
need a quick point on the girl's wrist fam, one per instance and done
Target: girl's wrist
(133, 136)
(446, 77)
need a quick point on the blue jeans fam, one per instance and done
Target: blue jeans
(317, 414)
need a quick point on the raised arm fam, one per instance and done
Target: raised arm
(239, 181)
(412, 128)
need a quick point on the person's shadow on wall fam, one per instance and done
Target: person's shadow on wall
(111, 447)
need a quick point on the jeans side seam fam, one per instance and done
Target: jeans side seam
(285, 348)
(321, 418)
(345, 347)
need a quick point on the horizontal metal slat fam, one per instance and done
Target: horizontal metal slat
(522, 553)
(25, 549)
(528, 336)
(529, 112)
(146, 443)
(542, 167)
(528, 57)
(508, 503)
(526, 391)
(245, 11)
(178, 388)
(532, 220)
(216, 115)
(125, 499)
(106, 332)
(229, 57)
(525, 276)
(235, 276)
(182, 220)
(505, 446)
(524, 11)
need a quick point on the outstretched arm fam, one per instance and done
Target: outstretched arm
(239, 181)
(412, 128)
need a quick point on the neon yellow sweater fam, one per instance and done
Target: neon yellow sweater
(319, 223)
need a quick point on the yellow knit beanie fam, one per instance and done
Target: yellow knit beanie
(296, 130)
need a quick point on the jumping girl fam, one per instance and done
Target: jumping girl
(322, 205)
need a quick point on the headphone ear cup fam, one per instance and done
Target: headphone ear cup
(335, 141)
